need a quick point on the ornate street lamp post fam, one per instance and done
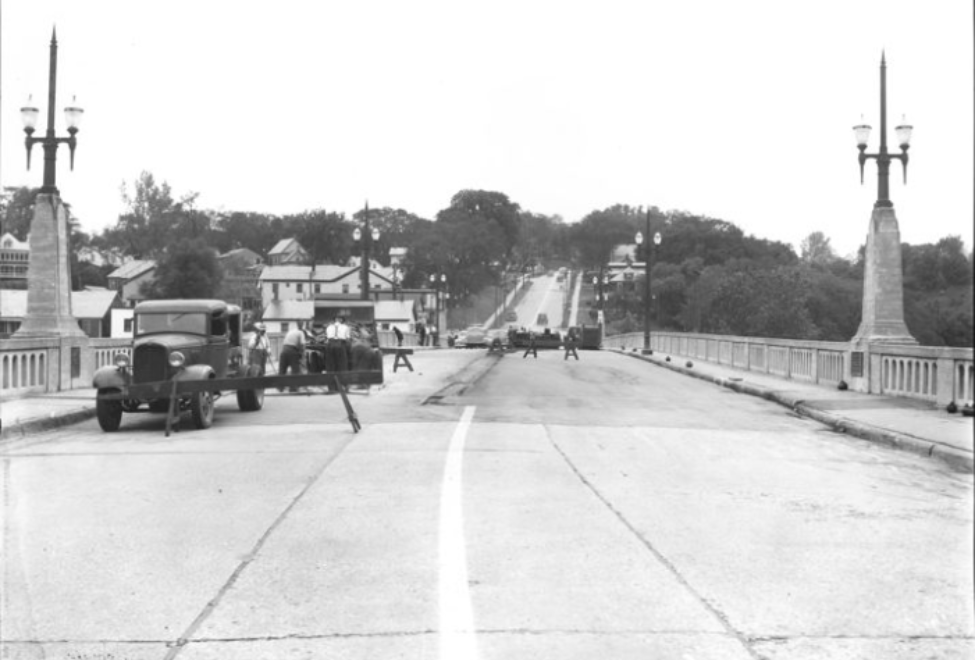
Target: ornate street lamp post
(883, 158)
(882, 317)
(48, 276)
(365, 238)
(646, 286)
(438, 284)
(72, 117)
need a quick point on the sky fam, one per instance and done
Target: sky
(740, 111)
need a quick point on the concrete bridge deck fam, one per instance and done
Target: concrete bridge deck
(906, 424)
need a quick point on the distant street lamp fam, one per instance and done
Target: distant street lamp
(599, 284)
(365, 238)
(646, 289)
(883, 158)
(72, 117)
(437, 284)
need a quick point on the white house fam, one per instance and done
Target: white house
(280, 283)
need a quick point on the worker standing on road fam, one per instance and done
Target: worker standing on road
(259, 347)
(292, 353)
(570, 344)
(531, 346)
(337, 347)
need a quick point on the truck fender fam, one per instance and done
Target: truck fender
(196, 372)
(110, 377)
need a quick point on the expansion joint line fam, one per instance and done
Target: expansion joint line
(208, 609)
(718, 614)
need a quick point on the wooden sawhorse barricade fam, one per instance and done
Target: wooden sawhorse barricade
(401, 358)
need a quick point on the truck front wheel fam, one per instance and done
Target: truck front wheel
(201, 408)
(109, 411)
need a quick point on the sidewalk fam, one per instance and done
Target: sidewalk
(907, 424)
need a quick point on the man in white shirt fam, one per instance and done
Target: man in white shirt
(259, 346)
(337, 345)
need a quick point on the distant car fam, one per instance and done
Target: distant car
(510, 316)
(473, 336)
(542, 319)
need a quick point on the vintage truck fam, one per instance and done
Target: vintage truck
(176, 341)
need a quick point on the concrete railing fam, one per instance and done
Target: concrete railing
(936, 374)
(52, 364)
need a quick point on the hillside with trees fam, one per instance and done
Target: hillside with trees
(707, 275)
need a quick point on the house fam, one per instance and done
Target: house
(287, 251)
(128, 279)
(396, 313)
(279, 283)
(14, 261)
(92, 307)
(284, 315)
(241, 279)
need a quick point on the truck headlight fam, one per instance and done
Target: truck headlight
(176, 359)
(121, 360)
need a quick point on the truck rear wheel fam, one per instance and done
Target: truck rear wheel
(251, 400)
(109, 411)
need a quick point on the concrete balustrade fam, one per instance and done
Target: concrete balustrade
(935, 374)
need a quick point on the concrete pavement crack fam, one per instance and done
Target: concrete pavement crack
(209, 608)
(718, 614)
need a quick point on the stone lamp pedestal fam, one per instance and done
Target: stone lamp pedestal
(49, 274)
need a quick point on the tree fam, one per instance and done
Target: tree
(490, 207)
(152, 218)
(187, 268)
(17, 210)
(815, 250)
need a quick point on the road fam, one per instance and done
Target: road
(549, 509)
(544, 296)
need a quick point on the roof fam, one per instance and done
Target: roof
(179, 305)
(283, 245)
(93, 304)
(289, 310)
(322, 273)
(132, 269)
(14, 243)
(84, 304)
(394, 310)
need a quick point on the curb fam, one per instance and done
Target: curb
(956, 458)
(22, 429)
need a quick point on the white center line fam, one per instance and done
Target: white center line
(457, 639)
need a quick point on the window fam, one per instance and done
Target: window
(318, 288)
(127, 325)
(284, 327)
(298, 287)
(345, 288)
(274, 291)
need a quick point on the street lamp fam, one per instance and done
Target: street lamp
(883, 158)
(72, 117)
(437, 283)
(367, 238)
(646, 286)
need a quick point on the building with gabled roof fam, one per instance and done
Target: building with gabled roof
(91, 307)
(287, 251)
(305, 282)
(128, 279)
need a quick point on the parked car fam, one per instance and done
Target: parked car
(474, 336)
(184, 340)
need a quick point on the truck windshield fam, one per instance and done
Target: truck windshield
(192, 323)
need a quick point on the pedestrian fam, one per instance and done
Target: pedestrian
(570, 344)
(292, 353)
(531, 346)
(259, 347)
(337, 347)
(399, 335)
(421, 330)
